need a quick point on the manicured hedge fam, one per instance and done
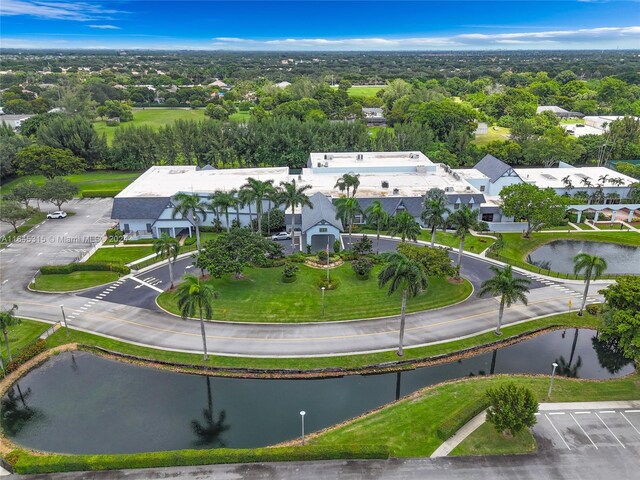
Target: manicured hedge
(25, 463)
(84, 267)
(100, 193)
(25, 355)
(454, 423)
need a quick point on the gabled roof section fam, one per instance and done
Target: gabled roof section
(492, 167)
(323, 210)
(466, 198)
(138, 207)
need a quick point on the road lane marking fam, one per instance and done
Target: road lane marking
(628, 421)
(614, 435)
(586, 434)
(141, 282)
(561, 437)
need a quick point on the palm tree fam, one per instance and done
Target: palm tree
(292, 197)
(8, 319)
(191, 206)
(593, 268)
(509, 288)
(347, 182)
(567, 182)
(463, 221)
(274, 199)
(603, 178)
(406, 274)
(245, 198)
(259, 190)
(405, 225)
(167, 247)
(346, 209)
(375, 213)
(193, 295)
(224, 201)
(433, 214)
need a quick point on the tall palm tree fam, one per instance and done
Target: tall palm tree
(223, 201)
(375, 213)
(274, 199)
(463, 221)
(405, 225)
(8, 319)
(259, 191)
(509, 288)
(433, 215)
(246, 197)
(346, 209)
(409, 275)
(167, 247)
(191, 206)
(592, 268)
(193, 296)
(292, 197)
(347, 182)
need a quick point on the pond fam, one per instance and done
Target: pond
(81, 403)
(558, 256)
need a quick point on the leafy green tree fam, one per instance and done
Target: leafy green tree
(592, 267)
(191, 206)
(75, 134)
(10, 145)
(509, 288)
(8, 320)
(535, 205)
(463, 221)
(167, 247)
(552, 147)
(346, 209)
(404, 225)
(259, 190)
(115, 109)
(47, 161)
(378, 216)
(512, 408)
(408, 275)
(293, 196)
(24, 192)
(621, 316)
(12, 212)
(216, 112)
(435, 261)
(58, 191)
(193, 295)
(434, 211)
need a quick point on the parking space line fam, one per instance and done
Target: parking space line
(561, 437)
(581, 413)
(607, 411)
(614, 435)
(556, 413)
(629, 422)
(586, 434)
(632, 411)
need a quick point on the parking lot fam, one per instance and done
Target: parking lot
(588, 429)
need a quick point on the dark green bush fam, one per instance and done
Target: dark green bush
(332, 284)
(84, 267)
(362, 266)
(593, 309)
(298, 257)
(26, 354)
(26, 463)
(322, 256)
(348, 255)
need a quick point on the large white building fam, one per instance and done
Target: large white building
(398, 179)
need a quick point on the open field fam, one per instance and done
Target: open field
(240, 117)
(86, 181)
(262, 297)
(365, 90)
(66, 282)
(501, 133)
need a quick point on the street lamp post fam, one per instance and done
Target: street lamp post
(322, 302)
(302, 414)
(553, 373)
(64, 318)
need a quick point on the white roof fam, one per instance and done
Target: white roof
(551, 108)
(552, 177)
(579, 131)
(370, 159)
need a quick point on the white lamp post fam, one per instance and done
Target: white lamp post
(302, 414)
(553, 372)
(64, 318)
(322, 302)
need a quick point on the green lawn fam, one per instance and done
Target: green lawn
(611, 226)
(86, 181)
(22, 335)
(409, 427)
(487, 441)
(262, 297)
(153, 117)
(121, 255)
(492, 135)
(365, 91)
(240, 117)
(66, 282)
(35, 219)
(572, 121)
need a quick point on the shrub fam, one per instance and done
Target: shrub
(348, 255)
(332, 284)
(114, 235)
(290, 269)
(297, 257)
(26, 354)
(593, 309)
(322, 256)
(362, 266)
(84, 267)
(363, 246)
(336, 246)
(512, 408)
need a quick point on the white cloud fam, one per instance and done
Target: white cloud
(104, 27)
(78, 11)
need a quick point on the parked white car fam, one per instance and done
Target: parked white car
(57, 214)
(281, 236)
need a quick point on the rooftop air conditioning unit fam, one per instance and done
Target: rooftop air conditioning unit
(468, 189)
(359, 157)
(448, 189)
(319, 164)
(414, 155)
(326, 164)
(396, 191)
(385, 184)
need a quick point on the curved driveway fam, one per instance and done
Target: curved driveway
(124, 312)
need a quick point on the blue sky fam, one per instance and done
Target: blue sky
(327, 25)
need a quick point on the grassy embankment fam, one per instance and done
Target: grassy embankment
(261, 296)
(472, 243)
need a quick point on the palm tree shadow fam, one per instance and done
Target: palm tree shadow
(209, 431)
(565, 368)
(15, 411)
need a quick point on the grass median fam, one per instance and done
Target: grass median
(68, 282)
(487, 441)
(122, 255)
